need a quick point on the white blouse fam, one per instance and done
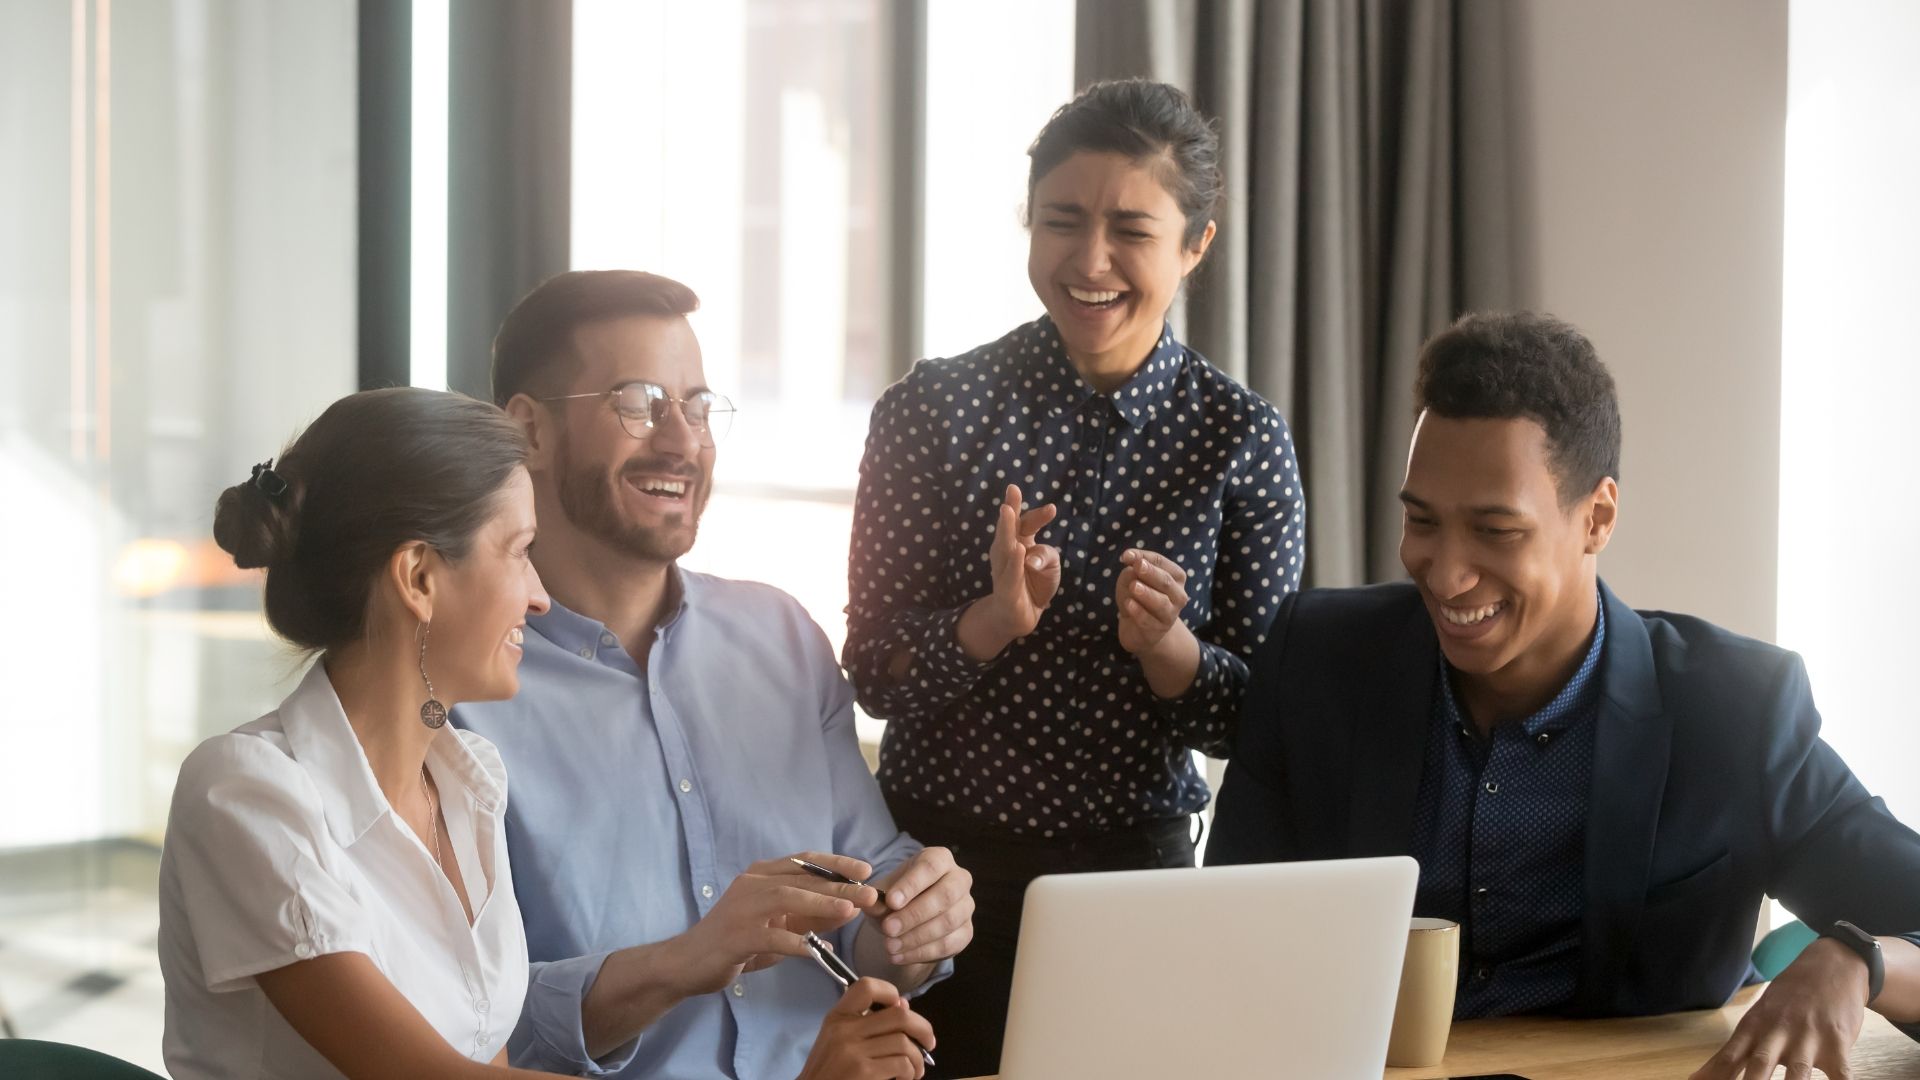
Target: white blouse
(280, 846)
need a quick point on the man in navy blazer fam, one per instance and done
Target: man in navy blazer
(1600, 797)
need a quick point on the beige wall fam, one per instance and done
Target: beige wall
(1650, 163)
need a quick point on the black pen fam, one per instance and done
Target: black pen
(831, 875)
(820, 871)
(831, 963)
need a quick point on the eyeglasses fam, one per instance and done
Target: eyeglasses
(642, 406)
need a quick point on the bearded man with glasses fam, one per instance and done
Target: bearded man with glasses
(678, 738)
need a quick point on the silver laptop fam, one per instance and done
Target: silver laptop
(1288, 969)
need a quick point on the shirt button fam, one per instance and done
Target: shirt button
(1483, 974)
(586, 651)
(480, 1006)
(303, 950)
(608, 639)
(1480, 895)
(1493, 787)
(686, 786)
(739, 991)
(1543, 738)
(706, 891)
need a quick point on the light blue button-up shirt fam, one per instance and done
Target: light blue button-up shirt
(637, 797)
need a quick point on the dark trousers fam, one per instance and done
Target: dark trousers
(969, 1010)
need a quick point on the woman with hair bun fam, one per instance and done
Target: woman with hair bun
(335, 896)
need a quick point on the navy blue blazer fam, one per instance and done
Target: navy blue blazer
(1711, 787)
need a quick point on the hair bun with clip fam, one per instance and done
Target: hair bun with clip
(270, 483)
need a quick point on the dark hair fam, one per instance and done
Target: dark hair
(378, 469)
(539, 329)
(1522, 364)
(1142, 120)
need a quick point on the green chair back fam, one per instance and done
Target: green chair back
(30, 1059)
(1781, 947)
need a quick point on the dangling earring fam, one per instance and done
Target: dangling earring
(433, 714)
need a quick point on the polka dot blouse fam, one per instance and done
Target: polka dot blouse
(1060, 734)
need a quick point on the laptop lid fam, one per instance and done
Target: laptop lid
(1286, 969)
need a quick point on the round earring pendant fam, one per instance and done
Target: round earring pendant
(433, 714)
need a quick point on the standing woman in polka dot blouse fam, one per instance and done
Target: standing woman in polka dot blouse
(1066, 545)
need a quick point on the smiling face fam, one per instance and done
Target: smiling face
(1507, 573)
(1106, 255)
(640, 497)
(474, 647)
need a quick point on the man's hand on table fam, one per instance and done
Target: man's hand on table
(1809, 1018)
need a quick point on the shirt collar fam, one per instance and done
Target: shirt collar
(584, 636)
(1052, 378)
(324, 744)
(1574, 700)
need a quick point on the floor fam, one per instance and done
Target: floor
(78, 964)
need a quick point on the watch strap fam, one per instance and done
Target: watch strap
(1869, 949)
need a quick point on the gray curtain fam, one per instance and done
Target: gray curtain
(1365, 150)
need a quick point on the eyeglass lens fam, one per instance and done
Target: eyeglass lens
(643, 405)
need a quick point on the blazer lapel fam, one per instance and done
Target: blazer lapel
(1632, 743)
(1389, 736)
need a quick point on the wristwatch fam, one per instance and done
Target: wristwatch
(1863, 943)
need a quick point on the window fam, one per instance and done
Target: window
(742, 147)
(1849, 381)
(178, 275)
(176, 299)
(996, 69)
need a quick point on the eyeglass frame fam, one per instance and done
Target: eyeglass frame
(719, 403)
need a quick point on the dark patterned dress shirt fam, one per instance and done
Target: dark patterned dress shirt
(1500, 832)
(1060, 734)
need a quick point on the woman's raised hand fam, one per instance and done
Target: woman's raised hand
(1026, 573)
(1150, 594)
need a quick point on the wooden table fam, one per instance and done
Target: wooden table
(1649, 1047)
(1542, 1048)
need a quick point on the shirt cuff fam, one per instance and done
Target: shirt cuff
(941, 972)
(1203, 713)
(551, 1036)
(941, 667)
